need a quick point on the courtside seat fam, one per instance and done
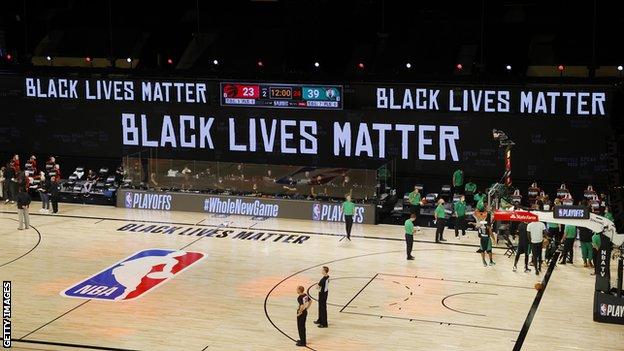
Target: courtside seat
(110, 181)
(79, 172)
(71, 181)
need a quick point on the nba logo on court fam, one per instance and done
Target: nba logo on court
(316, 212)
(129, 199)
(134, 276)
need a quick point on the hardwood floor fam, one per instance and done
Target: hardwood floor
(241, 295)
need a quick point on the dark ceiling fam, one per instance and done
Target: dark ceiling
(289, 36)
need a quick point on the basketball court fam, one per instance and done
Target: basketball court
(241, 294)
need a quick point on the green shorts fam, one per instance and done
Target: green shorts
(486, 244)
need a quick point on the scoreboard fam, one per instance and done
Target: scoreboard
(303, 96)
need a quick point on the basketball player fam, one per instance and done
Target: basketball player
(409, 235)
(323, 288)
(348, 207)
(585, 237)
(414, 199)
(460, 219)
(304, 302)
(485, 233)
(536, 231)
(523, 247)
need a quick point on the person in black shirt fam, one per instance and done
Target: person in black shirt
(322, 299)
(11, 183)
(585, 236)
(44, 189)
(55, 193)
(23, 201)
(302, 313)
(523, 247)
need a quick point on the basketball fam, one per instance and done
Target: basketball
(538, 286)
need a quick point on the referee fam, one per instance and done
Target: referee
(302, 313)
(322, 299)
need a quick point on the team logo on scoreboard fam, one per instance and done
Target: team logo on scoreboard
(134, 276)
(331, 94)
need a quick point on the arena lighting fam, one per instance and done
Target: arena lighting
(459, 66)
(170, 61)
(316, 64)
(9, 57)
(260, 64)
(129, 60)
(215, 62)
(561, 67)
(361, 65)
(508, 67)
(48, 58)
(619, 68)
(88, 59)
(408, 65)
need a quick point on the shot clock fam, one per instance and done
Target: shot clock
(303, 96)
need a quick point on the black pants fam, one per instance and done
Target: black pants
(568, 246)
(409, 243)
(322, 301)
(415, 209)
(349, 224)
(536, 251)
(301, 320)
(522, 249)
(12, 190)
(54, 200)
(460, 224)
(440, 224)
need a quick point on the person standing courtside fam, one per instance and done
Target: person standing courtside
(348, 208)
(323, 287)
(23, 201)
(585, 237)
(440, 218)
(523, 247)
(460, 216)
(536, 231)
(55, 193)
(304, 302)
(409, 235)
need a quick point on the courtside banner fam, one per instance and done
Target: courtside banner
(515, 216)
(259, 207)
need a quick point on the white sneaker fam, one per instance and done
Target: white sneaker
(42, 210)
